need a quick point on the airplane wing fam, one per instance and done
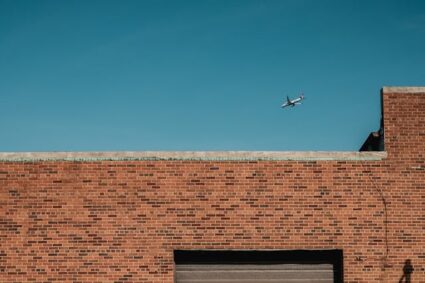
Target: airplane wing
(288, 101)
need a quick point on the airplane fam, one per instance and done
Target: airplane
(293, 102)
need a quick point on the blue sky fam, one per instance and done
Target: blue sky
(201, 75)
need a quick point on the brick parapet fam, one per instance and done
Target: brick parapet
(404, 120)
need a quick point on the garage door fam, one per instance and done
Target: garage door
(282, 266)
(255, 273)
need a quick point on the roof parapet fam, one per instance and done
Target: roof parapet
(192, 155)
(402, 89)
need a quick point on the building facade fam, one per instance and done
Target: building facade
(211, 216)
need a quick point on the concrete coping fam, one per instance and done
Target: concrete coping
(194, 155)
(402, 89)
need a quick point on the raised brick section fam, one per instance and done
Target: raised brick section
(121, 220)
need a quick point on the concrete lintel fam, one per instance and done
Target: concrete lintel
(193, 155)
(402, 89)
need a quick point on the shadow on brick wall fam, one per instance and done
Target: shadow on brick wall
(407, 271)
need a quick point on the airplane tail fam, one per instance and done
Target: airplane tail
(287, 99)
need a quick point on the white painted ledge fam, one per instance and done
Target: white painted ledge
(194, 155)
(401, 89)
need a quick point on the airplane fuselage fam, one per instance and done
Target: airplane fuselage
(293, 102)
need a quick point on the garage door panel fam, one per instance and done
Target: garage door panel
(253, 266)
(183, 267)
(263, 281)
(212, 273)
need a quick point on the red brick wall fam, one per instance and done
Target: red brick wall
(119, 221)
(404, 123)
